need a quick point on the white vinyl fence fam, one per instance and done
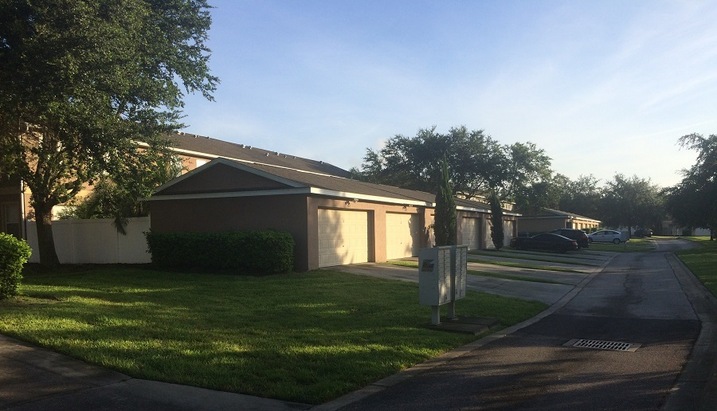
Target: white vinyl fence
(95, 242)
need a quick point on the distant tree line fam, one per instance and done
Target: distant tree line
(480, 168)
(693, 202)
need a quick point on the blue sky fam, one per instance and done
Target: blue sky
(604, 87)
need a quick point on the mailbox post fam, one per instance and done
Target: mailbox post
(442, 278)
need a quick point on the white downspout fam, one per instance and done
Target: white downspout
(23, 226)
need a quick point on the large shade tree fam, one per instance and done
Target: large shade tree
(120, 195)
(528, 180)
(81, 81)
(476, 161)
(580, 196)
(630, 202)
(693, 202)
(478, 164)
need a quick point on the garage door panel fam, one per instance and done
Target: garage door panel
(343, 237)
(403, 235)
(470, 233)
(508, 228)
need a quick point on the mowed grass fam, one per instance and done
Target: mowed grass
(414, 264)
(633, 245)
(702, 261)
(305, 337)
(572, 257)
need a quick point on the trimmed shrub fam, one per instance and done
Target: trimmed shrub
(14, 254)
(496, 218)
(248, 251)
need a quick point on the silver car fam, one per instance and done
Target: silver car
(608, 236)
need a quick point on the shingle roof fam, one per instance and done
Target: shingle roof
(334, 185)
(212, 148)
(307, 172)
(344, 185)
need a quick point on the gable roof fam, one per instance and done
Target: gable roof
(207, 147)
(310, 182)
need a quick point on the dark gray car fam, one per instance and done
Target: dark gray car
(578, 235)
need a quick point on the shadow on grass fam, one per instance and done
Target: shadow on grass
(305, 337)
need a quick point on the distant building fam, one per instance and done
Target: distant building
(548, 219)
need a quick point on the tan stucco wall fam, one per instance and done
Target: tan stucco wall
(538, 224)
(13, 200)
(585, 224)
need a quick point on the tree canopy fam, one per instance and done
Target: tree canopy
(580, 196)
(693, 202)
(475, 161)
(81, 81)
(630, 202)
(445, 227)
(528, 177)
(520, 173)
(478, 164)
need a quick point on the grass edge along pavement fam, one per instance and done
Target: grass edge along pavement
(414, 264)
(702, 261)
(302, 337)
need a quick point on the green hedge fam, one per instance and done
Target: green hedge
(14, 254)
(247, 251)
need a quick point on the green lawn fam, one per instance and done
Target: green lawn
(577, 258)
(524, 265)
(414, 264)
(702, 261)
(306, 337)
(634, 245)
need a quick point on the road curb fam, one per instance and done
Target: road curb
(696, 387)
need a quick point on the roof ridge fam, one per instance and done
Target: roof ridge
(249, 147)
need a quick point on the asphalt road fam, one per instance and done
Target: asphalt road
(636, 299)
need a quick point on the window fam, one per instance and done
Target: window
(10, 219)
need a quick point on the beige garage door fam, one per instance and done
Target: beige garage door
(470, 233)
(403, 235)
(507, 234)
(508, 226)
(343, 237)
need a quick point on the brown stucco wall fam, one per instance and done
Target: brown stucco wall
(287, 213)
(221, 178)
(538, 225)
(297, 214)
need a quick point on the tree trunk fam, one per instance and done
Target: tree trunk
(45, 240)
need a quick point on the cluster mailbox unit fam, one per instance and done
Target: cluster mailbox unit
(442, 278)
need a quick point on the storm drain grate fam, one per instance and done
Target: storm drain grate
(602, 345)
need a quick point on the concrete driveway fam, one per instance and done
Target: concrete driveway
(544, 285)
